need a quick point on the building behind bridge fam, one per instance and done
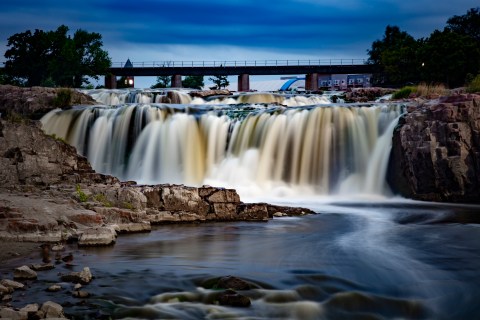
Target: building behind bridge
(297, 84)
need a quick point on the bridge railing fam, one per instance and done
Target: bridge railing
(241, 63)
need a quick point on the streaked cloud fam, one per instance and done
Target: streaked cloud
(193, 29)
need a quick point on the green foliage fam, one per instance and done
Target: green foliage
(404, 92)
(54, 136)
(63, 98)
(100, 197)
(193, 82)
(474, 85)
(446, 56)
(54, 58)
(128, 205)
(220, 81)
(162, 82)
(82, 196)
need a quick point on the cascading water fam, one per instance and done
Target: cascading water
(255, 148)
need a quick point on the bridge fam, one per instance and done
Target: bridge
(312, 69)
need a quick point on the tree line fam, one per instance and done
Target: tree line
(450, 57)
(54, 58)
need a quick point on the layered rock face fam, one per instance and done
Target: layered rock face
(436, 151)
(29, 157)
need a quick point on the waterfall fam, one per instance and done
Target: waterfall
(255, 148)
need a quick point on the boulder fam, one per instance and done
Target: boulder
(24, 273)
(232, 298)
(436, 151)
(52, 310)
(98, 236)
(82, 277)
(12, 284)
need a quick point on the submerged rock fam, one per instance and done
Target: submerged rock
(234, 299)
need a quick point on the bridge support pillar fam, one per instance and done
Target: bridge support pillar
(110, 81)
(176, 81)
(243, 82)
(311, 82)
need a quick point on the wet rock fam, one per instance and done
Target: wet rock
(81, 294)
(209, 93)
(24, 272)
(229, 282)
(42, 267)
(7, 298)
(235, 283)
(99, 236)
(281, 211)
(252, 212)
(12, 284)
(9, 313)
(30, 308)
(234, 299)
(54, 288)
(83, 277)
(52, 310)
(5, 290)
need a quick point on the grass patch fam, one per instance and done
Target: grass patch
(100, 197)
(474, 85)
(82, 196)
(404, 93)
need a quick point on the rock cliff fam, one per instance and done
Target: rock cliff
(436, 151)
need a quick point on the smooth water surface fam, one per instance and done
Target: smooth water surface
(383, 260)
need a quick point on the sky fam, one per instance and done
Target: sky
(198, 30)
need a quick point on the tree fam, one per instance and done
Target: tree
(193, 82)
(55, 58)
(162, 82)
(220, 81)
(395, 57)
(468, 24)
(448, 57)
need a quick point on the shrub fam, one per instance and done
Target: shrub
(474, 85)
(63, 98)
(405, 92)
(82, 196)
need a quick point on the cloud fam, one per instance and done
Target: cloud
(283, 27)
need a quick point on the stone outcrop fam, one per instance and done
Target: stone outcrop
(366, 94)
(436, 151)
(29, 157)
(209, 93)
(33, 102)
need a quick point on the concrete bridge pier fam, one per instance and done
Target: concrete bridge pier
(311, 82)
(176, 81)
(110, 81)
(243, 82)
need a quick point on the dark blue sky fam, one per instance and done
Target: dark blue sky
(147, 30)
